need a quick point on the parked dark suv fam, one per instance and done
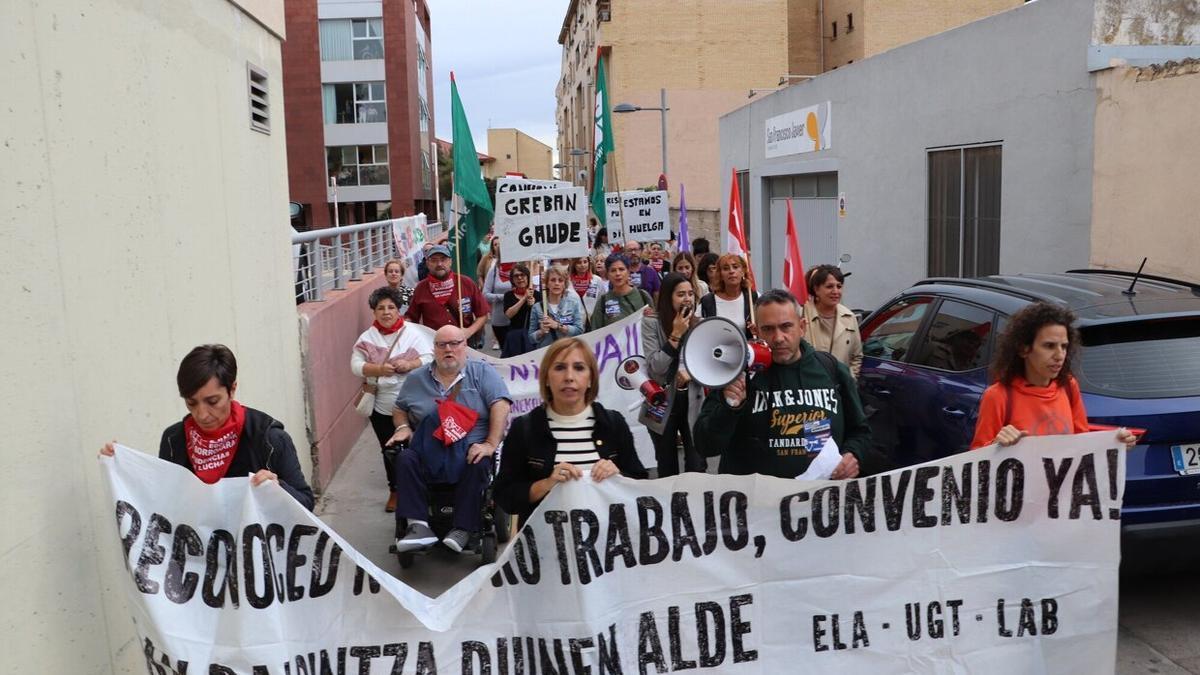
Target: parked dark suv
(927, 350)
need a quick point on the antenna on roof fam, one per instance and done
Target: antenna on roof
(1129, 291)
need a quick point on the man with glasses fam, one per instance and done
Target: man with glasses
(640, 275)
(421, 410)
(438, 301)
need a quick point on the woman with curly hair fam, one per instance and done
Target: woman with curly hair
(1034, 393)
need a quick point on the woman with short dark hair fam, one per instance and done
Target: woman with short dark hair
(1034, 392)
(220, 437)
(570, 432)
(518, 305)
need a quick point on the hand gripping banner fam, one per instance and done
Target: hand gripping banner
(993, 561)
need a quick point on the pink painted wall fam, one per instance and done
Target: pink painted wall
(328, 331)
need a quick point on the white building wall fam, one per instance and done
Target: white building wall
(142, 216)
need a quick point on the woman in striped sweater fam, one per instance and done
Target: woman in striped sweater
(566, 435)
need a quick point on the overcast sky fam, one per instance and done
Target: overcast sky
(505, 57)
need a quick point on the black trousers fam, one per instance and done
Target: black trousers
(666, 449)
(384, 428)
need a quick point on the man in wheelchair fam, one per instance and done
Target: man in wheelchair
(450, 417)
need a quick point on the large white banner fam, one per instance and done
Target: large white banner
(543, 223)
(993, 561)
(646, 215)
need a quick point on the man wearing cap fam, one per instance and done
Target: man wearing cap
(437, 302)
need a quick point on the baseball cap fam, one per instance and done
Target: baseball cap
(438, 248)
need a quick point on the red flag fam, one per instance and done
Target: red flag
(793, 264)
(736, 239)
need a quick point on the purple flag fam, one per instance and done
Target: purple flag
(685, 243)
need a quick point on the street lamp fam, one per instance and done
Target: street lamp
(629, 107)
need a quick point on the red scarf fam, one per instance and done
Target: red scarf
(520, 292)
(441, 290)
(211, 452)
(581, 283)
(657, 265)
(388, 331)
(505, 271)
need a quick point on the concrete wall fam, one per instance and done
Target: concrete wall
(1144, 194)
(1018, 77)
(328, 331)
(142, 217)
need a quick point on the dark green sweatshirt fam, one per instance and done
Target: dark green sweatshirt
(788, 412)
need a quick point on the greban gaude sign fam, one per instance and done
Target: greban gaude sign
(991, 561)
(541, 223)
(805, 130)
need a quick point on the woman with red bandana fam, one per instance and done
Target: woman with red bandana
(220, 437)
(383, 354)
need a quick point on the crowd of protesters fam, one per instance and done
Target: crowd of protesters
(440, 416)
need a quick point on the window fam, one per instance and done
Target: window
(1141, 359)
(351, 39)
(743, 179)
(426, 171)
(889, 333)
(422, 114)
(358, 164)
(834, 30)
(849, 22)
(260, 103)
(964, 211)
(354, 102)
(957, 338)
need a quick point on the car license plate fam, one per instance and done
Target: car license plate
(1186, 459)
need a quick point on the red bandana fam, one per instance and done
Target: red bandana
(211, 452)
(581, 283)
(388, 331)
(505, 270)
(441, 290)
(520, 292)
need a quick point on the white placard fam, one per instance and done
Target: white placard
(612, 215)
(647, 215)
(542, 223)
(804, 130)
(991, 561)
(514, 184)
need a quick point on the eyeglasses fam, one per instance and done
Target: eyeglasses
(449, 344)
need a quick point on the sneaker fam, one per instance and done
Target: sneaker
(495, 346)
(416, 537)
(457, 540)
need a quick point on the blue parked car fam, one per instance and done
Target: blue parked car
(926, 355)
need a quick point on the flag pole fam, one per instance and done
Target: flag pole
(457, 249)
(620, 205)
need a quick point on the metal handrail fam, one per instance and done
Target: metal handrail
(326, 259)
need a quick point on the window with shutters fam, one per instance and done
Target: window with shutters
(260, 101)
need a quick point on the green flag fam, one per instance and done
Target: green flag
(603, 143)
(475, 206)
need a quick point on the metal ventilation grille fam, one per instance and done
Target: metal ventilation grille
(260, 103)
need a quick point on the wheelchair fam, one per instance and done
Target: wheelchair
(495, 523)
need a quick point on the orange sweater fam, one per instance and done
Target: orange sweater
(1038, 411)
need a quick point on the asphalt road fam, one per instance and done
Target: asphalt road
(1160, 585)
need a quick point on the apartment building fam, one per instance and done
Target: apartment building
(706, 58)
(517, 152)
(358, 96)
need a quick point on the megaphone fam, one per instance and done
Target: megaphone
(633, 373)
(715, 351)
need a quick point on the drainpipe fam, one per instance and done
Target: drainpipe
(821, 32)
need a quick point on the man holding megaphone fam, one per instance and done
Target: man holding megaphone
(777, 422)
